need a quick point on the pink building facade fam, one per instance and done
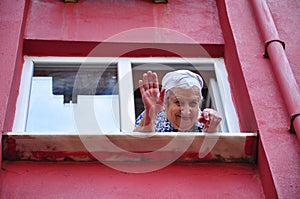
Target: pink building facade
(265, 98)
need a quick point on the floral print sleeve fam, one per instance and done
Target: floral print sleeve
(139, 119)
(162, 124)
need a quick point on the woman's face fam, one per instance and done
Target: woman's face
(182, 107)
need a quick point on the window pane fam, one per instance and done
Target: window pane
(55, 91)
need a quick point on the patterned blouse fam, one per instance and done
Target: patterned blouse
(162, 124)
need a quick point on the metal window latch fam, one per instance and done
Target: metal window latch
(266, 55)
(292, 129)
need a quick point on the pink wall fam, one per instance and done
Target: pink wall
(65, 29)
(55, 28)
(93, 180)
(88, 20)
(278, 150)
(11, 38)
(286, 16)
(60, 29)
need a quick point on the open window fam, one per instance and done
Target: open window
(56, 92)
(52, 87)
(216, 91)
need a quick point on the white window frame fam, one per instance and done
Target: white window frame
(219, 90)
(229, 146)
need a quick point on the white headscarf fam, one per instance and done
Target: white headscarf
(180, 78)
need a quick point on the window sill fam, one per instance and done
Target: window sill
(136, 147)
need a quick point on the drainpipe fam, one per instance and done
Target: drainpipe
(274, 50)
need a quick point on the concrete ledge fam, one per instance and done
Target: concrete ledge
(136, 147)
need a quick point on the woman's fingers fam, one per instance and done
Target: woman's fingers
(205, 114)
(145, 81)
(150, 79)
(155, 80)
(212, 118)
(214, 122)
(149, 89)
(141, 86)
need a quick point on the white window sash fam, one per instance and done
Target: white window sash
(127, 114)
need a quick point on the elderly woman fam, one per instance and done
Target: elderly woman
(177, 106)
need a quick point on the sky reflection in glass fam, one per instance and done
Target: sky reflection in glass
(48, 113)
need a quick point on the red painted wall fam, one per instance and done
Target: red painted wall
(93, 180)
(278, 150)
(12, 23)
(65, 29)
(286, 177)
(99, 20)
(286, 16)
(55, 28)
(227, 28)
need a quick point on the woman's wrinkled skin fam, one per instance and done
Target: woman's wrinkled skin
(181, 107)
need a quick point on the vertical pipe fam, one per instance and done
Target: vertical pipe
(280, 64)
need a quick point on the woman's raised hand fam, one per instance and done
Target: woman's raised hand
(153, 99)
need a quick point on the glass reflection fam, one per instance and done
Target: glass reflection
(52, 99)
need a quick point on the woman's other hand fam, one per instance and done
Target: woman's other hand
(211, 120)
